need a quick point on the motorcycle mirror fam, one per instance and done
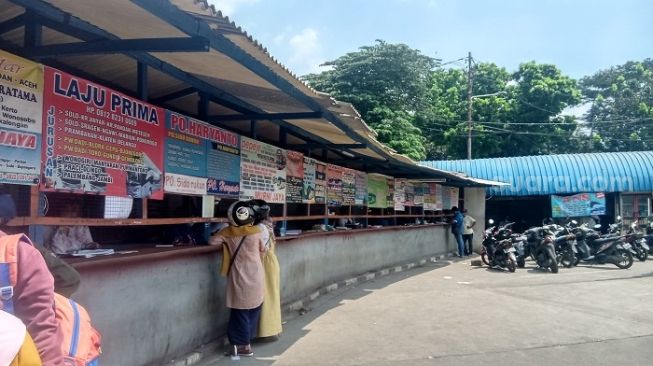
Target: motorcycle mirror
(490, 221)
(618, 218)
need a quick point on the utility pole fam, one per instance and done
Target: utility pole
(469, 106)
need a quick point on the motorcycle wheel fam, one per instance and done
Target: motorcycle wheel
(642, 255)
(567, 259)
(576, 259)
(625, 260)
(553, 264)
(511, 263)
(484, 257)
(521, 262)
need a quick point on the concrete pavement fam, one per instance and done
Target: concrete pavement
(450, 313)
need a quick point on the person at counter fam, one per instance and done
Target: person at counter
(457, 230)
(244, 247)
(68, 239)
(270, 321)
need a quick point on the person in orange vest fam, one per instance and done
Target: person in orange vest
(78, 342)
(30, 296)
(16, 346)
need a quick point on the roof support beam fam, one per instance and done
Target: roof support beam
(252, 128)
(33, 31)
(264, 116)
(141, 82)
(174, 95)
(54, 18)
(13, 23)
(309, 146)
(191, 26)
(175, 44)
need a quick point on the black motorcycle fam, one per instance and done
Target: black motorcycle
(540, 246)
(638, 242)
(565, 244)
(594, 249)
(497, 249)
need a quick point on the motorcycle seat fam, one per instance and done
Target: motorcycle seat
(606, 240)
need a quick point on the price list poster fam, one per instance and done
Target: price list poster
(295, 177)
(262, 171)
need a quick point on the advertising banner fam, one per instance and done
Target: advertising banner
(334, 185)
(377, 191)
(184, 184)
(100, 141)
(400, 195)
(391, 192)
(21, 121)
(308, 190)
(295, 177)
(449, 197)
(430, 201)
(348, 187)
(420, 191)
(262, 171)
(453, 196)
(439, 192)
(578, 205)
(409, 193)
(198, 149)
(320, 182)
(361, 188)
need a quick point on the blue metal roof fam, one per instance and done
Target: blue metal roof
(560, 174)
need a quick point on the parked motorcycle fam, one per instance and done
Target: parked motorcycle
(540, 246)
(497, 249)
(565, 244)
(594, 249)
(649, 237)
(638, 242)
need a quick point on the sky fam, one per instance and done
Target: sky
(579, 36)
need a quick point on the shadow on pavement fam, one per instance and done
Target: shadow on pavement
(295, 325)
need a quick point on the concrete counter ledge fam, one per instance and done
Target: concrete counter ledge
(149, 253)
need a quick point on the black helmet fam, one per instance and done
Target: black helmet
(261, 210)
(7, 208)
(240, 213)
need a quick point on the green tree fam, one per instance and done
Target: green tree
(621, 111)
(522, 119)
(389, 85)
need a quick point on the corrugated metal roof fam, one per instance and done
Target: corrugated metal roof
(235, 73)
(560, 174)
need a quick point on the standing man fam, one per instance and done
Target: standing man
(457, 230)
(468, 232)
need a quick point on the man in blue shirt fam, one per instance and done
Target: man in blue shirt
(457, 230)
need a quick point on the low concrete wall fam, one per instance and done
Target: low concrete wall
(150, 311)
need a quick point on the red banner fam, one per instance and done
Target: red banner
(97, 140)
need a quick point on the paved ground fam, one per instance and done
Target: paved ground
(451, 313)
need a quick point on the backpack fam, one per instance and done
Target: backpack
(81, 345)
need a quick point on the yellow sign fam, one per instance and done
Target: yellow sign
(21, 111)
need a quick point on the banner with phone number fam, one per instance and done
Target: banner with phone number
(21, 108)
(578, 205)
(98, 140)
(198, 149)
